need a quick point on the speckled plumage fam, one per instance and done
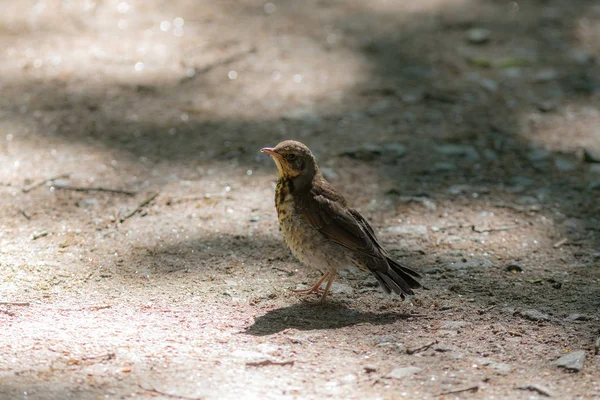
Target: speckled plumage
(322, 231)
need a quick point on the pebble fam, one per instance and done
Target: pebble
(369, 368)
(534, 315)
(572, 362)
(459, 150)
(514, 268)
(254, 218)
(581, 56)
(459, 188)
(527, 200)
(87, 203)
(546, 75)
(539, 155)
(489, 84)
(578, 317)
(442, 166)
(490, 155)
(478, 35)
(591, 155)
(399, 373)
(564, 165)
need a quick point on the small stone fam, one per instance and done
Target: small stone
(581, 56)
(514, 268)
(591, 155)
(442, 166)
(527, 200)
(594, 185)
(564, 165)
(458, 150)
(489, 84)
(546, 75)
(534, 315)
(379, 107)
(478, 35)
(87, 203)
(557, 285)
(458, 189)
(572, 362)
(490, 155)
(578, 317)
(60, 183)
(396, 149)
(254, 218)
(539, 155)
(399, 373)
(370, 368)
(521, 181)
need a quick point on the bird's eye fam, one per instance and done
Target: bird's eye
(290, 157)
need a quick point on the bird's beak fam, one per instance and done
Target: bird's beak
(269, 150)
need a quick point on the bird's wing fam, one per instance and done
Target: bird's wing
(339, 224)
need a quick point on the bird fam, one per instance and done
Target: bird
(323, 231)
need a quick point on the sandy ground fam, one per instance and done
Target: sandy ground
(458, 127)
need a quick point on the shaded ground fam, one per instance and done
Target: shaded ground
(474, 162)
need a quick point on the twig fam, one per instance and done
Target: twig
(269, 362)
(15, 303)
(225, 61)
(500, 228)
(418, 349)
(139, 207)
(107, 356)
(177, 396)
(102, 307)
(467, 389)
(184, 199)
(535, 388)
(96, 189)
(29, 188)
(38, 235)
(12, 314)
(290, 273)
(24, 213)
(560, 243)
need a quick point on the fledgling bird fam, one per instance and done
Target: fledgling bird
(322, 231)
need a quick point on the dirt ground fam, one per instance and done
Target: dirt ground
(460, 128)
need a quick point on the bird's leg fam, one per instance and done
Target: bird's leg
(332, 276)
(315, 287)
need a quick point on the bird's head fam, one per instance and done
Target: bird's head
(294, 161)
